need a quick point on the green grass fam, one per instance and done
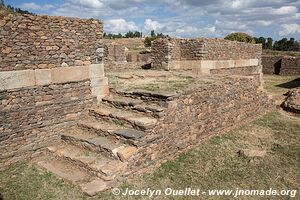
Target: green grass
(24, 182)
(167, 85)
(282, 53)
(214, 164)
(272, 83)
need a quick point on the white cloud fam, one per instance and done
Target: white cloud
(34, 6)
(150, 24)
(89, 3)
(120, 25)
(289, 30)
(263, 22)
(184, 18)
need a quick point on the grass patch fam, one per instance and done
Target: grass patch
(167, 85)
(271, 83)
(23, 182)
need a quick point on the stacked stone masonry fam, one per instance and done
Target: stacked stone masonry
(51, 72)
(118, 56)
(200, 112)
(203, 54)
(281, 65)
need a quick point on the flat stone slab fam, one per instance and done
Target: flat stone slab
(64, 170)
(253, 153)
(160, 95)
(130, 133)
(93, 187)
(122, 101)
(126, 116)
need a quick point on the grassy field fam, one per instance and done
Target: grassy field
(215, 164)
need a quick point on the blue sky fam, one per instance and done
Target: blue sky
(181, 18)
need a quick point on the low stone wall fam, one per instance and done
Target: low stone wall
(281, 65)
(31, 118)
(200, 112)
(203, 55)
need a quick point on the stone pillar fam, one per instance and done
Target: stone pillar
(99, 83)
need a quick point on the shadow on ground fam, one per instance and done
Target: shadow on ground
(291, 84)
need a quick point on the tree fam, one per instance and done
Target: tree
(262, 40)
(152, 33)
(269, 44)
(1, 2)
(241, 37)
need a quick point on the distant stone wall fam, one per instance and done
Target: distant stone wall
(281, 65)
(203, 54)
(51, 72)
(290, 66)
(119, 57)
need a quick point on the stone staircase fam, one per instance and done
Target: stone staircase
(96, 152)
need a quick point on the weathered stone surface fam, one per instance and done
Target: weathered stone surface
(69, 74)
(253, 153)
(292, 101)
(16, 79)
(93, 187)
(46, 43)
(130, 133)
(127, 152)
(64, 170)
(176, 53)
(43, 77)
(281, 65)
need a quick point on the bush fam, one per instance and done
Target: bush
(148, 41)
(241, 37)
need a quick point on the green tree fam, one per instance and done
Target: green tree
(1, 2)
(241, 37)
(152, 33)
(269, 44)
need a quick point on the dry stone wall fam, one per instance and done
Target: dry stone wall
(281, 65)
(203, 54)
(43, 42)
(117, 56)
(51, 72)
(200, 112)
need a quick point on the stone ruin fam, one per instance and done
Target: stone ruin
(281, 65)
(292, 101)
(57, 110)
(127, 54)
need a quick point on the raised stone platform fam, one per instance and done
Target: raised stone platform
(139, 126)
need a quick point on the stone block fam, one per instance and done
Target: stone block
(206, 66)
(69, 74)
(16, 79)
(96, 82)
(96, 70)
(125, 153)
(42, 76)
(253, 62)
(100, 90)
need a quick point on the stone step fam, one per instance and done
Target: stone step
(93, 142)
(136, 120)
(75, 175)
(149, 95)
(126, 135)
(105, 168)
(151, 109)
